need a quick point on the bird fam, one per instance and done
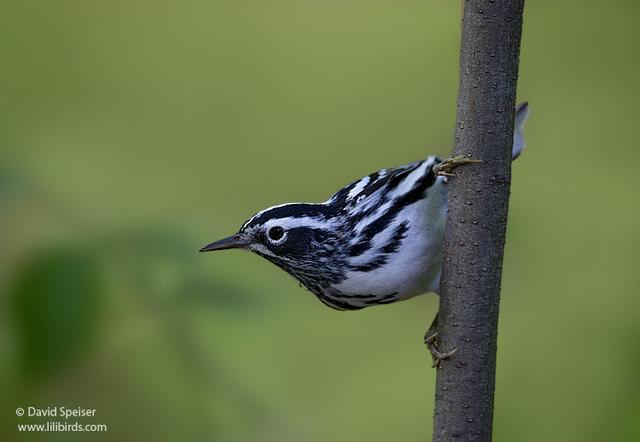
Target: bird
(378, 240)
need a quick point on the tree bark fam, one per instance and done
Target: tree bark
(477, 219)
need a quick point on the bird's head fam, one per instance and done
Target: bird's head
(297, 237)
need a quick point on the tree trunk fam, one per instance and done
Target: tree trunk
(477, 219)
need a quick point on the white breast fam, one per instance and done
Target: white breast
(415, 267)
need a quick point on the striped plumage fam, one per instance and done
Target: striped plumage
(376, 241)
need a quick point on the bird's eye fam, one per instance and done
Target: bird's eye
(275, 233)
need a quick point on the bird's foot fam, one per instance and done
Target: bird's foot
(446, 167)
(432, 344)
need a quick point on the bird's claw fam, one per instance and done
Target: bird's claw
(436, 355)
(446, 167)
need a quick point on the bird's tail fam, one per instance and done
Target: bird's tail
(522, 112)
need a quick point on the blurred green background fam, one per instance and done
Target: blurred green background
(133, 132)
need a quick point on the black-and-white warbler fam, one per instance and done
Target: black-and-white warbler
(376, 241)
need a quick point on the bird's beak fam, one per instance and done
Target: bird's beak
(233, 242)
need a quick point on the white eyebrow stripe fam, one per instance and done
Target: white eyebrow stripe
(277, 207)
(291, 222)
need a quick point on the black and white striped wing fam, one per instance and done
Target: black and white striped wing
(371, 191)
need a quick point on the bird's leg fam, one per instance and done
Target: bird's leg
(432, 344)
(446, 166)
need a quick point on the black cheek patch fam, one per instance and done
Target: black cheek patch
(300, 243)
